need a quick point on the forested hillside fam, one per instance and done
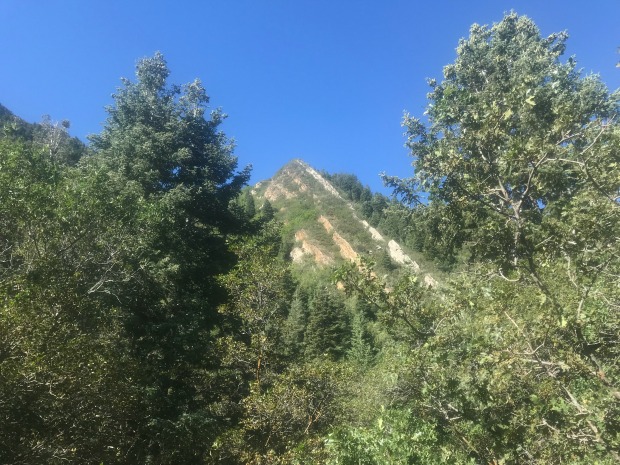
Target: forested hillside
(154, 309)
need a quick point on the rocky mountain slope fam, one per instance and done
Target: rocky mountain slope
(322, 227)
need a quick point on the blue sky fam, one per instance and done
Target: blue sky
(325, 81)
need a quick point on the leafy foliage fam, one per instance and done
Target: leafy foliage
(147, 313)
(515, 139)
(520, 156)
(109, 284)
(395, 438)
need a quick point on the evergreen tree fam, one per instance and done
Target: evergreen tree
(384, 262)
(249, 207)
(328, 329)
(182, 171)
(360, 352)
(296, 322)
(267, 211)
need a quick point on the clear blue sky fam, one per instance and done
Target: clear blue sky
(322, 80)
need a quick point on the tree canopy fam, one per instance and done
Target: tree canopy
(150, 313)
(515, 138)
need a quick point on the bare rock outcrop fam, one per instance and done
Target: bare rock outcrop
(307, 248)
(346, 250)
(400, 257)
(376, 235)
(322, 181)
(302, 186)
(326, 224)
(429, 281)
(275, 191)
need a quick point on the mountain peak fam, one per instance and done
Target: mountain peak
(322, 227)
(295, 172)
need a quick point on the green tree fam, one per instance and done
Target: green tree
(55, 138)
(158, 142)
(260, 289)
(282, 424)
(296, 322)
(360, 351)
(249, 207)
(514, 136)
(328, 329)
(521, 153)
(267, 211)
(396, 438)
(66, 387)
(384, 261)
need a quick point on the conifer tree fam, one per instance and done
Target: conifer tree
(267, 211)
(249, 206)
(296, 322)
(158, 142)
(360, 351)
(328, 329)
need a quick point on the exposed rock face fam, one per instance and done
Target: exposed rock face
(297, 180)
(376, 235)
(346, 250)
(400, 257)
(297, 254)
(326, 224)
(307, 248)
(328, 187)
(429, 281)
(276, 191)
(302, 187)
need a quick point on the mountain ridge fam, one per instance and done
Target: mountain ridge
(322, 227)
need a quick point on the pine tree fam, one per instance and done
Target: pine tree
(360, 352)
(328, 329)
(296, 322)
(267, 211)
(249, 207)
(180, 167)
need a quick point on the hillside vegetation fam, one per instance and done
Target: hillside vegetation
(154, 309)
(323, 225)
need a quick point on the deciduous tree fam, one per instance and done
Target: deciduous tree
(520, 152)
